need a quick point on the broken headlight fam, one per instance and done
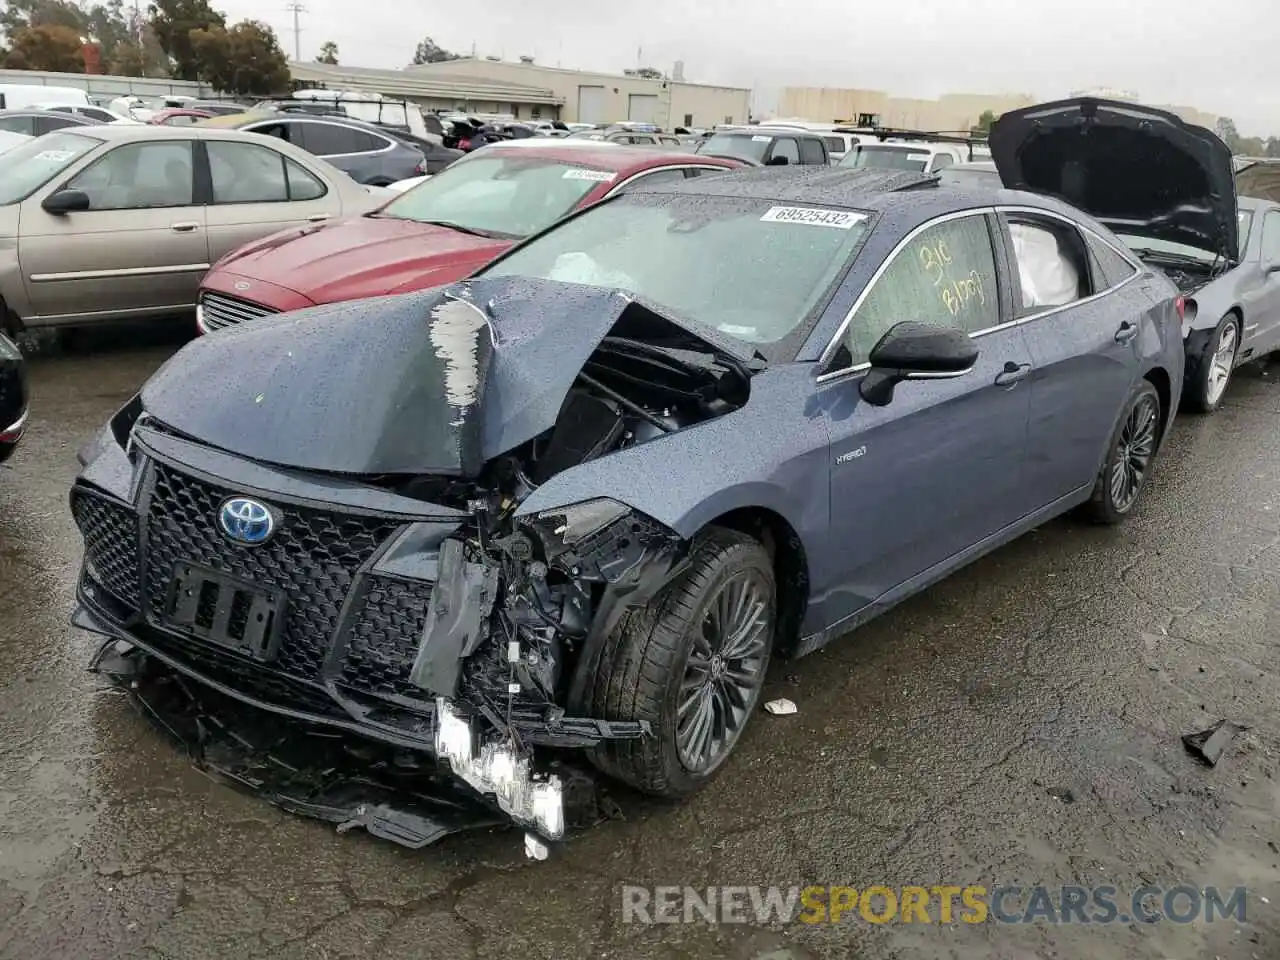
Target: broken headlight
(500, 769)
(574, 523)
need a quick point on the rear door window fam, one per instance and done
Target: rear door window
(811, 151)
(332, 140)
(1110, 268)
(785, 147)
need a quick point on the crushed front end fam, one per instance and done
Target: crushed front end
(453, 633)
(358, 562)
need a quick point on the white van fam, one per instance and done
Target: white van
(920, 156)
(839, 142)
(21, 96)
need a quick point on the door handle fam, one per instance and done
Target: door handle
(185, 227)
(1012, 373)
(317, 217)
(1126, 332)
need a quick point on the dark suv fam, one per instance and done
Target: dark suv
(366, 152)
(767, 148)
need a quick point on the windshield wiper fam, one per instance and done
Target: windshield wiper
(1147, 254)
(473, 231)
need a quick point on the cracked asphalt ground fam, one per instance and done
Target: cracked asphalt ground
(932, 747)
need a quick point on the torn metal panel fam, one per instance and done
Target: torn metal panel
(457, 615)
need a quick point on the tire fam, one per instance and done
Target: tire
(1137, 436)
(1209, 374)
(653, 652)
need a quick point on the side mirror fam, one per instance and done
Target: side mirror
(66, 201)
(777, 162)
(1270, 268)
(916, 351)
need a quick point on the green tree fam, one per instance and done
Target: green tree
(174, 21)
(55, 48)
(1273, 147)
(1226, 129)
(328, 53)
(431, 52)
(983, 127)
(20, 14)
(244, 60)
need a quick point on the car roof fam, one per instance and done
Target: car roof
(812, 183)
(768, 132)
(36, 112)
(616, 157)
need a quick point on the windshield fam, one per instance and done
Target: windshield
(747, 147)
(29, 166)
(882, 157)
(752, 269)
(1155, 245)
(969, 177)
(498, 195)
(1246, 222)
(1140, 245)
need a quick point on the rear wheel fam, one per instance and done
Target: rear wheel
(1211, 371)
(691, 663)
(1129, 458)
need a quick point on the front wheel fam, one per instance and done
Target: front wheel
(1129, 458)
(1210, 372)
(692, 663)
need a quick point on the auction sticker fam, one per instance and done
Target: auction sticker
(760, 139)
(840, 219)
(599, 176)
(55, 156)
(917, 156)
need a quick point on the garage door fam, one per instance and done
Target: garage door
(591, 105)
(643, 108)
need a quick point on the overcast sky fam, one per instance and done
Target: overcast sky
(1173, 52)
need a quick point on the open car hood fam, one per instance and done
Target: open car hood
(1259, 179)
(1139, 170)
(435, 382)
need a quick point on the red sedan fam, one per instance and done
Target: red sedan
(440, 231)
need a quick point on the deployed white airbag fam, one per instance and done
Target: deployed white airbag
(1047, 276)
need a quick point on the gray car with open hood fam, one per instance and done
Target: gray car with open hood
(1169, 190)
(555, 520)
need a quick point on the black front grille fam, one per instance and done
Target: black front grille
(110, 533)
(384, 638)
(220, 310)
(313, 557)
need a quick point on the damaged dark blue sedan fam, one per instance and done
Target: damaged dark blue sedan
(569, 509)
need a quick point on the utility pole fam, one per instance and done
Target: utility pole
(297, 9)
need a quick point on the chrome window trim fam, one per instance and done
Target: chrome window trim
(675, 166)
(833, 345)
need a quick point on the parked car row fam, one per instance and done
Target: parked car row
(677, 420)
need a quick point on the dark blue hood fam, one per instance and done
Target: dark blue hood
(434, 382)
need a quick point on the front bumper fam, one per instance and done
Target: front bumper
(358, 585)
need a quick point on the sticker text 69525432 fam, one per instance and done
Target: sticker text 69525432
(840, 219)
(581, 173)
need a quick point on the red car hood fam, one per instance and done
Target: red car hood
(361, 257)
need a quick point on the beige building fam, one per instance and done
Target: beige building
(950, 113)
(600, 97)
